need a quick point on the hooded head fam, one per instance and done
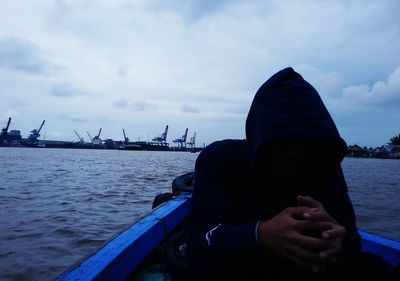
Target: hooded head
(286, 107)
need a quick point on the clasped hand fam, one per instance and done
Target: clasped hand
(307, 235)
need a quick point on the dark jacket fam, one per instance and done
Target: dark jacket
(228, 200)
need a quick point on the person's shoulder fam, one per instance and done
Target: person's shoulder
(225, 160)
(226, 146)
(231, 151)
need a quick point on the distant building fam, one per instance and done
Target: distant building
(385, 151)
(12, 138)
(355, 151)
(395, 151)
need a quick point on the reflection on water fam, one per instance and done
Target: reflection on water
(59, 205)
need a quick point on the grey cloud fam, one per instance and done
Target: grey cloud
(59, 10)
(121, 72)
(22, 55)
(143, 106)
(134, 105)
(326, 83)
(187, 108)
(192, 10)
(62, 12)
(197, 9)
(121, 103)
(79, 119)
(64, 91)
(75, 119)
(211, 52)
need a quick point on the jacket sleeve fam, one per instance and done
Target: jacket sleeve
(209, 234)
(340, 207)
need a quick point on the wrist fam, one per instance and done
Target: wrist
(257, 236)
(262, 233)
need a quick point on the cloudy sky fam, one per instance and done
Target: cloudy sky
(143, 64)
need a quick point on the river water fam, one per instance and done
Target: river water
(57, 206)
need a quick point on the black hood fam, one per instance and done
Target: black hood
(287, 105)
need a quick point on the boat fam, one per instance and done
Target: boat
(134, 254)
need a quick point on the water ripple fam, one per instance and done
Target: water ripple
(57, 206)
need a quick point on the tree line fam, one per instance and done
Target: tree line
(395, 140)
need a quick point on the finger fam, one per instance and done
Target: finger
(303, 257)
(312, 243)
(301, 262)
(317, 215)
(335, 232)
(307, 259)
(296, 212)
(314, 226)
(308, 201)
(290, 253)
(331, 253)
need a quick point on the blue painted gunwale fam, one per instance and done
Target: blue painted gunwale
(386, 248)
(121, 255)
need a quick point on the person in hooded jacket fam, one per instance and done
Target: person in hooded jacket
(275, 204)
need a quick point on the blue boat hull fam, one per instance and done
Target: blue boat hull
(118, 258)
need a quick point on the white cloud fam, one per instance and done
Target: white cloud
(326, 83)
(156, 60)
(381, 93)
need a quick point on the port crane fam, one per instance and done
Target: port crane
(35, 134)
(98, 135)
(126, 140)
(163, 138)
(182, 141)
(4, 131)
(81, 140)
(90, 137)
(192, 142)
(96, 139)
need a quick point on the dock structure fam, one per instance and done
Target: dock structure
(81, 140)
(161, 140)
(192, 143)
(158, 143)
(126, 140)
(35, 134)
(182, 140)
(10, 138)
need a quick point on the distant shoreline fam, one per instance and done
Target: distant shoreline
(382, 152)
